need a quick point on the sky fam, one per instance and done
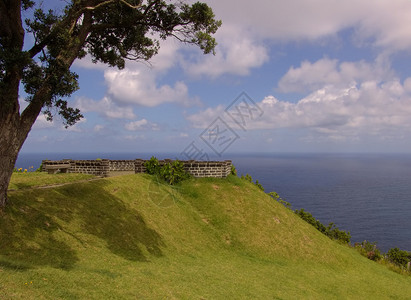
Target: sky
(324, 76)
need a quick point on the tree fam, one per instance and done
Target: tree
(110, 31)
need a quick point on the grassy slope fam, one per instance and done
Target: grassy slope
(128, 237)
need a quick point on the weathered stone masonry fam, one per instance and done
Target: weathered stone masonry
(196, 168)
(102, 167)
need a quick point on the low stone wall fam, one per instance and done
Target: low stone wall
(219, 169)
(93, 167)
(122, 165)
(102, 167)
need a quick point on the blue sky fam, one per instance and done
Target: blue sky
(308, 76)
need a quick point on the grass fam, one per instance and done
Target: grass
(129, 237)
(20, 180)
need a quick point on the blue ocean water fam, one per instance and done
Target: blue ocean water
(368, 195)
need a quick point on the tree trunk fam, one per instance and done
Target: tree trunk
(10, 145)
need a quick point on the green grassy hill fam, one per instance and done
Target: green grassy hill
(129, 237)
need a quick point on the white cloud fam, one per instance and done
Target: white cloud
(381, 110)
(140, 87)
(237, 53)
(98, 128)
(105, 107)
(87, 63)
(385, 23)
(133, 138)
(142, 124)
(312, 76)
(42, 123)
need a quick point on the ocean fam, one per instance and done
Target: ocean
(367, 195)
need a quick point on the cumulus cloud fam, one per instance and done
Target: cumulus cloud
(383, 22)
(42, 123)
(237, 53)
(142, 124)
(375, 109)
(105, 107)
(311, 76)
(138, 87)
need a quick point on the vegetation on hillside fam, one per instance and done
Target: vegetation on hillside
(221, 238)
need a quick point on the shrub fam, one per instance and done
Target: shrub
(250, 179)
(152, 166)
(276, 197)
(259, 185)
(398, 257)
(172, 173)
(40, 168)
(233, 170)
(331, 230)
(247, 177)
(369, 250)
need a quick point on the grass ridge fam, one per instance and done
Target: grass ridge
(128, 237)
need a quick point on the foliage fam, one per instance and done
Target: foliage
(248, 178)
(172, 173)
(369, 250)
(398, 257)
(259, 185)
(105, 239)
(233, 170)
(331, 230)
(110, 31)
(152, 166)
(277, 198)
(36, 54)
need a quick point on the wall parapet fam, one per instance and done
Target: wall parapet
(98, 167)
(220, 169)
(101, 167)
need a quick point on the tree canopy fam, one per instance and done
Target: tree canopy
(110, 31)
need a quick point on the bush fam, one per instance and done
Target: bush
(259, 185)
(398, 257)
(247, 177)
(331, 230)
(369, 250)
(233, 170)
(172, 173)
(250, 179)
(152, 166)
(277, 198)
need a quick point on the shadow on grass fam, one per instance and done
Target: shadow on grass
(47, 227)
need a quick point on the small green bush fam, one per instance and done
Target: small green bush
(369, 250)
(171, 173)
(331, 230)
(398, 257)
(152, 166)
(247, 177)
(250, 179)
(259, 185)
(277, 198)
(233, 170)
(174, 173)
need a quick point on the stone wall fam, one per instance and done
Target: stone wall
(93, 167)
(122, 165)
(102, 167)
(219, 169)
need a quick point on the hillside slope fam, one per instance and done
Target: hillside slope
(130, 237)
